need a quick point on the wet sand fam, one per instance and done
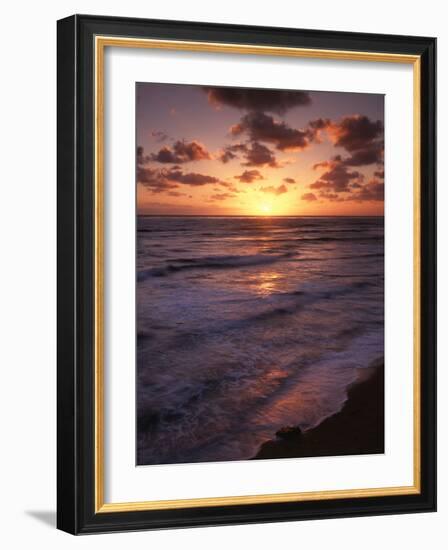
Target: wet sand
(358, 428)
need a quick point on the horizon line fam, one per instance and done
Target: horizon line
(260, 216)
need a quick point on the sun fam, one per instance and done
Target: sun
(265, 208)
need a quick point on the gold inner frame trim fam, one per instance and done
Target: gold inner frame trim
(101, 42)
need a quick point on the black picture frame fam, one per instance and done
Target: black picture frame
(76, 511)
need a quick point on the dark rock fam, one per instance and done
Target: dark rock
(289, 433)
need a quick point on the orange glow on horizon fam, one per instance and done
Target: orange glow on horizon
(266, 209)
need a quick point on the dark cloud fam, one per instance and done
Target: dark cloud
(190, 178)
(165, 155)
(176, 194)
(226, 156)
(337, 177)
(372, 191)
(254, 154)
(181, 152)
(261, 127)
(309, 197)
(355, 132)
(249, 176)
(231, 152)
(152, 180)
(150, 177)
(164, 180)
(336, 184)
(275, 190)
(371, 154)
(289, 180)
(363, 140)
(141, 158)
(260, 155)
(319, 123)
(316, 128)
(274, 101)
(159, 136)
(361, 137)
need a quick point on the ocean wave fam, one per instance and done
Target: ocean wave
(289, 303)
(330, 239)
(232, 349)
(210, 262)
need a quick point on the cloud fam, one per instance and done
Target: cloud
(337, 177)
(165, 155)
(326, 163)
(261, 127)
(254, 154)
(222, 196)
(159, 136)
(319, 123)
(164, 180)
(361, 137)
(316, 128)
(141, 158)
(229, 186)
(334, 197)
(372, 191)
(181, 208)
(260, 155)
(249, 176)
(274, 101)
(372, 154)
(152, 180)
(309, 197)
(275, 190)
(230, 152)
(355, 132)
(150, 177)
(176, 194)
(289, 180)
(190, 178)
(181, 152)
(363, 140)
(336, 185)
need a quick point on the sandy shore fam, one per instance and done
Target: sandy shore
(358, 428)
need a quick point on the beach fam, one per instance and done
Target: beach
(358, 428)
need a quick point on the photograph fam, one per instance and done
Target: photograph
(259, 273)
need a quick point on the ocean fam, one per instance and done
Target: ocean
(246, 325)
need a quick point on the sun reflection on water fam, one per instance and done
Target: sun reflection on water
(268, 282)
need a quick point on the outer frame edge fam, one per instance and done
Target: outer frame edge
(124, 521)
(67, 461)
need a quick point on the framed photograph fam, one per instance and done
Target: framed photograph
(246, 274)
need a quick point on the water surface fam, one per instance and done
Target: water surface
(246, 325)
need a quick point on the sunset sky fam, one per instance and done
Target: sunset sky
(242, 151)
